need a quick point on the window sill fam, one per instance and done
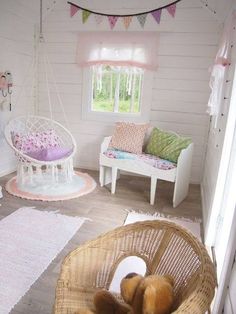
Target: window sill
(115, 116)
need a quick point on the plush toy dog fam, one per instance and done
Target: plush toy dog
(143, 295)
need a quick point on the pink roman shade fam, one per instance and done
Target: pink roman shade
(136, 49)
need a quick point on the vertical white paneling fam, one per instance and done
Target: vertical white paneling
(180, 91)
(230, 301)
(215, 142)
(232, 287)
(17, 49)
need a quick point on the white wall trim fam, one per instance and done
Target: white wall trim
(204, 204)
(8, 171)
(226, 271)
(146, 98)
(210, 231)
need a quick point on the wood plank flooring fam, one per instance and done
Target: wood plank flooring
(106, 212)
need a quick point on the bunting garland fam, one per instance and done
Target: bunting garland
(98, 18)
(73, 10)
(142, 19)
(112, 20)
(85, 15)
(171, 9)
(157, 16)
(127, 19)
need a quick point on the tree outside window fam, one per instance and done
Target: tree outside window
(116, 89)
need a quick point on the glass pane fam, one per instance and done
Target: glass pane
(116, 89)
(130, 91)
(102, 91)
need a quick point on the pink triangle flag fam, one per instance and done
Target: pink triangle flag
(73, 10)
(142, 19)
(171, 9)
(127, 20)
(98, 18)
(157, 15)
(112, 20)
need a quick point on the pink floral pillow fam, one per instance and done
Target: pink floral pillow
(129, 137)
(35, 141)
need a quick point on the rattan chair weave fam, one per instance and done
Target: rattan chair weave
(165, 247)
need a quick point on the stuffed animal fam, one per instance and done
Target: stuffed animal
(143, 295)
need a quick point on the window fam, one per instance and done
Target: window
(117, 74)
(116, 95)
(116, 89)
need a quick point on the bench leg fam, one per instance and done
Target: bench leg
(114, 178)
(153, 190)
(102, 175)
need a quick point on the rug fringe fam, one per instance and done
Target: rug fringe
(162, 215)
(57, 212)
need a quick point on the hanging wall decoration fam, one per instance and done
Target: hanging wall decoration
(6, 85)
(142, 19)
(171, 9)
(157, 15)
(112, 20)
(98, 18)
(73, 10)
(170, 6)
(127, 20)
(85, 15)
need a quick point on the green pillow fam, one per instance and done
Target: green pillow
(158, 140)
(166, 145)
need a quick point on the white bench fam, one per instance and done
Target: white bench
(110, 170)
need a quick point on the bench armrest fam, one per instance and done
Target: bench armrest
(105, 144)
(183, 173)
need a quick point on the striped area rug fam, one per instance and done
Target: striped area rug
(192, 226)
(30, 240)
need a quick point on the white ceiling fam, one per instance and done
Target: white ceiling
(221, 7)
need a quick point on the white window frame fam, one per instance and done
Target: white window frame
(145, 101)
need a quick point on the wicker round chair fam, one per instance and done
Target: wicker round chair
(29, 166)
(165, 247)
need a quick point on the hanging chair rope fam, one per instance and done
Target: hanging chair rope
(57, 90)
(32, 85)
(26, 79)
(32, 164)
(47, 82)
(48, 70)
(49, 73)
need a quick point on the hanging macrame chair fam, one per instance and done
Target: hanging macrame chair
(54, 160)
(44, 148)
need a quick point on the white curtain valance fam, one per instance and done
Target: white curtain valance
(136, 49)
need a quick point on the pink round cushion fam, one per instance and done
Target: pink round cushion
(51, 153)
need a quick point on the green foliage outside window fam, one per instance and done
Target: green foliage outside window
(120, 90)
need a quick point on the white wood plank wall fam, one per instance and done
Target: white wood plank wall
(230, 301)
(188, 44)
(17, 19)
(215, 141)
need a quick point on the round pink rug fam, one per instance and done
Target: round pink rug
(42, 190)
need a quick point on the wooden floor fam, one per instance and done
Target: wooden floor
(107, 212)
